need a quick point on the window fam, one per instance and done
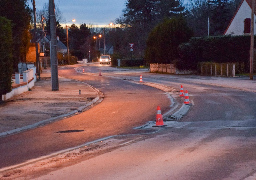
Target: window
(247, 25)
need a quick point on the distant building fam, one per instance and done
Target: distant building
(45, 42)
(43, 48)
(241, 21)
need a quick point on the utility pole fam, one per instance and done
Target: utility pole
(67, 42)
(252, 41)
(104, 40)
(36, 44)
(54, 61)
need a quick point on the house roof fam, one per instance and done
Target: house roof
(249, 3)
(60, 44)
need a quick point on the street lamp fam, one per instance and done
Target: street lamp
(99, 40)
(104, 35)
(73, 20)
(95, 37)
(112, 25)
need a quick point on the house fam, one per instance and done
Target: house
(45, 42)
(241, 22)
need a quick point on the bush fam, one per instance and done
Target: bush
(164, 39)
(6, 60)
(219, 49)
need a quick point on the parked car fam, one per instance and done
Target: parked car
(105, 59)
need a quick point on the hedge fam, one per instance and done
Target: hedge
(221, 49)
(6, 60)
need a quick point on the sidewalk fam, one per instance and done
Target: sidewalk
(41, 105)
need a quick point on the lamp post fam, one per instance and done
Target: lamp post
(73, 20)
(104, 41)
(96, 38)
(252, 40)
(104, 35)
(99, 40)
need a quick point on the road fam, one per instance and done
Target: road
(125, 105)
(215, 140)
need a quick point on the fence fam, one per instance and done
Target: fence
(218, 69)
(22, 82)
(163, 68)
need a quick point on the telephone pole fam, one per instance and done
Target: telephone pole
(252, 41)
(54, 60)
(36, 44)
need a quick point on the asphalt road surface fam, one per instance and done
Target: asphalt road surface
(215, 140)
(125, 105)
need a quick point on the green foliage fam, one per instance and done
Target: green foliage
(219, 49)
(150, 12)
(140, 17)
(6, 60)
(163, 41)
(63, 59)
(77, 39)
(20, 15)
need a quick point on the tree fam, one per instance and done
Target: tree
(6, 60)
(45, 13)
(77, 38)
(140, 16)
(19, 13)
(164, 39)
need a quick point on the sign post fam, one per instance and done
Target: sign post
(131, 49)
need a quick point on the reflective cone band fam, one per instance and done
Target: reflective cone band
(141, 78)
(159, 117)
(186, 98)
(181, 91)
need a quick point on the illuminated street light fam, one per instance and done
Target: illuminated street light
(95, 37)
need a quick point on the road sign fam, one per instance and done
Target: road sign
(131, 46)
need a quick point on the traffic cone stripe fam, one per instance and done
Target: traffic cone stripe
(141, 78)
(159, 117)
(186, 98)
(181, 91)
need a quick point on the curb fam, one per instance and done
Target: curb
(168, 116)
(98, 99)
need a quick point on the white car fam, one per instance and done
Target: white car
(105, 59)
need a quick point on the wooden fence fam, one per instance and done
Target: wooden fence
(218, 69)
(163, 68)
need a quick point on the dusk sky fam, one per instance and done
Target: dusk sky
(94, 12)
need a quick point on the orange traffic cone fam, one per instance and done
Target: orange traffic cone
(181, 91)
(141, 78)
(159, 118)
(186, 98)
(100, 73)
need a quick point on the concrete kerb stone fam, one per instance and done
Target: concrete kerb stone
(168, 116)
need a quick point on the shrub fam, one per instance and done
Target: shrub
(164, 39)
(6, 60)
(219, 49)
